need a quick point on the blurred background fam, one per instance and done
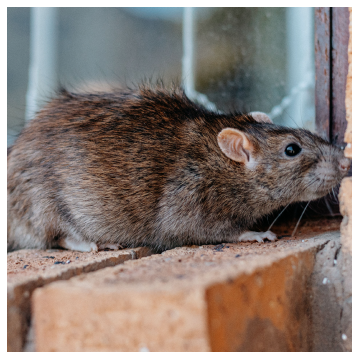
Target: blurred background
(229, 59)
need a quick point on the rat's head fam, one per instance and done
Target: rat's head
(283, 164)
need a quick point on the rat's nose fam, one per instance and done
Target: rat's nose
(344, 165)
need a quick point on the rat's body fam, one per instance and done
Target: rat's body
(150, 167)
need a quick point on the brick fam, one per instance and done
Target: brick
(327, 298)
(29, 269)
(345, 197)
(345, 200)
(235, 297)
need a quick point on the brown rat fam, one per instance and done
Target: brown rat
(149, 167)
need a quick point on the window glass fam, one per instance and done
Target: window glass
(258, 59)
(245, 59)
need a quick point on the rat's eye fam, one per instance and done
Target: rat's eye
(292, 150)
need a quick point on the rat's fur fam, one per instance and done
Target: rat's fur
(144, 167)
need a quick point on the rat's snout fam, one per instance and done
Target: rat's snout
(344, 165)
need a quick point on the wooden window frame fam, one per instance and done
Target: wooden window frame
(331, 69)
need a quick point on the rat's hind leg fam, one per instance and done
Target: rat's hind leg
(24, 230)
(256, 236)
(21, 234)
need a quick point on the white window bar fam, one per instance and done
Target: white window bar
(299, 103)
(43, 58)
(188, 60)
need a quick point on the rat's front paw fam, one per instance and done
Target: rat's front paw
(77, 245)
(94, 247)
(257, 236)
(114, 246)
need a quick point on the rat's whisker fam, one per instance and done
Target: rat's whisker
(291, 201)
(335, 196)
(328, 206)
(278, 216)
(295, 229)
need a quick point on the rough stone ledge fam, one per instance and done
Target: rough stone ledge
(345, 198)
(230, 297)
(29, 269)
(330, 300)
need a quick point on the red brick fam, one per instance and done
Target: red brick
(28, 270)
(186, 299)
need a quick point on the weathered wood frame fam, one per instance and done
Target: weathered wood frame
(331, 68)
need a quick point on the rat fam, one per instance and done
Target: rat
(149, 167)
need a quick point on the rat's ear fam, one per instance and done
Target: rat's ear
(260, 117)
(235, 145)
